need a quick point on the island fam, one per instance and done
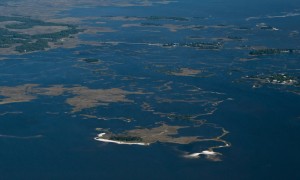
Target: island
(273, 51)
(197, 45)
(278, 78)
(24, 34)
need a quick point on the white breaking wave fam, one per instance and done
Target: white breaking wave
(206, 153)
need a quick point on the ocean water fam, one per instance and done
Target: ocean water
(263, 122)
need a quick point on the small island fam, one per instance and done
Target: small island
(197, 45)
(273, 51)
(280, 78)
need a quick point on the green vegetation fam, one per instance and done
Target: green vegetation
(279, 78)
(39, 45)
(29, 43)
(9, 38)
(126, 138)
(25, 22)
(58, 35)
(273, 51)
(282, 79)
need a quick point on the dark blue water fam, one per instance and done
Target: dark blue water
(263, 123)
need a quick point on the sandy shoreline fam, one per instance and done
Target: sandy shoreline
(206, 153)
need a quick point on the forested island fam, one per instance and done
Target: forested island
(14, 33)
